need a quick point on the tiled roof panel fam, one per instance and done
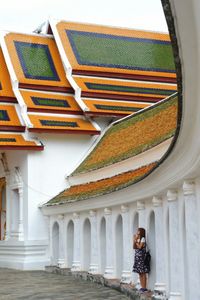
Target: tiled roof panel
(49, 102)
(17, 141)
(105, 49)
(9, 119)
(114, 108)
(133, 135)
(36, 61)
(126, 90)
(44, 123)
(101, 187)
(6, 91)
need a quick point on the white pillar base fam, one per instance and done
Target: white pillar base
(109, 273)
(16, 235)
(76, 266)
(160, 291)
(126, 277)
(160, 287)
(61, 263)
(175, 296)
(93, 269)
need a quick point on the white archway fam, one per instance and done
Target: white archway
(86, 244)
(102, 245)
(119, 246)
(55, 243)
(151, 242)
(70, 243)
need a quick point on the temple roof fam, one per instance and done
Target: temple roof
(111, 107)
(101, 187)
(47, 102)
(6, 92)
(60, 124)
(133, 135)
(124, 139)
(59, 81)
(9, 120)
(36, 62)
(109, 63)
(124, 89)
(43, 88)
(93, 49)
(10, 141)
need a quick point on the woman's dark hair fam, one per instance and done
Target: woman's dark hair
(142, 232)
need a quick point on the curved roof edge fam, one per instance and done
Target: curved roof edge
(102, 187)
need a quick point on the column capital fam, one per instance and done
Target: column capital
(188, 187)
(20, 191)
(172, 195)
(157, 201)
(60, 217)
(107, 211)
(76, 215)
(140, 205)
(92, 213)
(124, 208)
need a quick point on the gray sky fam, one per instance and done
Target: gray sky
(26, 15)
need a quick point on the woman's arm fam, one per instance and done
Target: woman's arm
(140, 245)
(135, 241)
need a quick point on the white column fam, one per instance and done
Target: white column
(174, 240)
(21, 216)
(94, 266)
(109, 270)
(160, 284)
(192, 240)
(8, 208)
(141, 213)
(76, 265)
(126, 273)
(61, 258)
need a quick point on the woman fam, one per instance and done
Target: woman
(139, 244)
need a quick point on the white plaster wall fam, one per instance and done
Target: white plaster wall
(46, 174)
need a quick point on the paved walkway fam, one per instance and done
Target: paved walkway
(41, 285)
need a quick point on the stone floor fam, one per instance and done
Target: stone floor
(41, 285)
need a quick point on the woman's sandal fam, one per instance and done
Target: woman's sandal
(142, 290)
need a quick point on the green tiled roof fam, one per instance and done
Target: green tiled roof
(121, 52)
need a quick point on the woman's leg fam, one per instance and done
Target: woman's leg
(143, 280)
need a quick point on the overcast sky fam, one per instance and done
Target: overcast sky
(26, 15)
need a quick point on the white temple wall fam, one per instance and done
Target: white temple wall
(47, 170)
(33, 178)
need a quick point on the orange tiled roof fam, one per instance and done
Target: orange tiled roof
(9, 120)
(102, 187)
(112, 108)
(133, 135)
(116, 52)
(43, 123)
(18, 142)
(50, 102)
(6, 92)
(124, 89)
(36, 62)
